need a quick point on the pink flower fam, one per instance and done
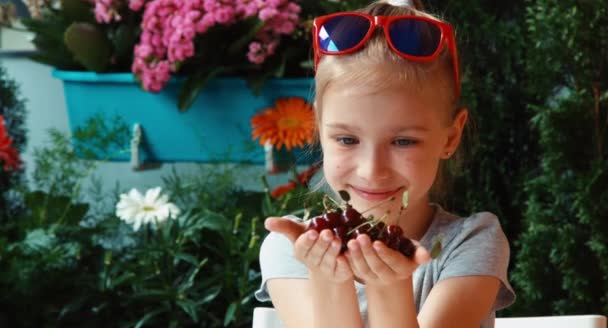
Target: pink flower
(170, 29)
(136, 5)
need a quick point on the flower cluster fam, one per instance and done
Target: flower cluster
(137, 209)
(8, 154)
(170, 27)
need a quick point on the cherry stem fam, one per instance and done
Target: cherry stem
(379, 204)
(370, 223)
(332, 200)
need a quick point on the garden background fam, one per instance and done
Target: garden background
(535, 76)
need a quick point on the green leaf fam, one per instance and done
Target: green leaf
(230, 312)
(120, 280)
(124, 39)
(404, 199)
(239, 45)
(90, 46)
(215, 222)
(190, 308)
(149, 316)
(436, 249)
(187, 258)
(193, 87)
(78, 10)
(212, 293)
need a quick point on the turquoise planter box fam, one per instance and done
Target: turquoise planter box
(215, 129)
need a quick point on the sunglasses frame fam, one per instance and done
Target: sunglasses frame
(447, 38)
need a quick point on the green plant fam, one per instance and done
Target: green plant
(253, 40)
(70, 261)
(567, 194)
(12, 115)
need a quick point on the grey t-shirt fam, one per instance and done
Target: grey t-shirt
(475, 245)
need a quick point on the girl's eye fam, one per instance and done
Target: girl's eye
(347, 140)
(404, 142)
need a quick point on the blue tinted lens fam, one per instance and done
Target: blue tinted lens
(415, 37)
(342, 33)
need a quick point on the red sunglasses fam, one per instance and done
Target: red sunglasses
(415, 38)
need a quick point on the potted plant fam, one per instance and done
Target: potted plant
(226, 60)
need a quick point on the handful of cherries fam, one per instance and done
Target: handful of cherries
(347, 223)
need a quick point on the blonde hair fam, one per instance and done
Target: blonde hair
(376, 67)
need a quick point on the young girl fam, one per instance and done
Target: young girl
(387, 93)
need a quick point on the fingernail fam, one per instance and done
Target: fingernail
(378, 247)
(335, 245)
(312, 235)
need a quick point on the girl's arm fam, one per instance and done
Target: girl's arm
(312, 303)
(454, 302)
(459, 302)
(328, 298)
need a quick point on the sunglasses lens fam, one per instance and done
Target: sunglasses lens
(342, 33)
(415, 37)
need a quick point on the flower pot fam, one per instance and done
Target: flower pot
(215, 129)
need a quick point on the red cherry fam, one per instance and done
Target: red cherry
(377, 231)
(342, 233)
(318, 223)
(351, 217)
(362, 230)
(394, 230)
(334, 219)
(406, 247)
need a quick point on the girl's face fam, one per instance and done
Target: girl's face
(378, 145)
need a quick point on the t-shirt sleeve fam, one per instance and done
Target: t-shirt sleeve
(481, 248)
(277, 260)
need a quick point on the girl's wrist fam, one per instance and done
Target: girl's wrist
(392, 305)
(318, 277)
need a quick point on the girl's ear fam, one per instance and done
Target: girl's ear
(455, 132)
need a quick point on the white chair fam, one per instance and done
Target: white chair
(266, 317)
(565, 321)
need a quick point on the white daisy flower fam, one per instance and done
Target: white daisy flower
(137, 209)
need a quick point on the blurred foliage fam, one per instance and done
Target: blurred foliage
(12, 108)
(535, 80)
(66, 261)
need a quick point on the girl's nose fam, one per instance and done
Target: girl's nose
(373, 164)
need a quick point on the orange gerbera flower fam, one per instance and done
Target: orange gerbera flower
(303, 179)
(290, 123)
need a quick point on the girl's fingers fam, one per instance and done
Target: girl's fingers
(315, 255)
(329, 263)
(393, 260)
(376, 264)
(304, 243)
(291, 229)
(422, 255)
(343, 269)
(358, 261)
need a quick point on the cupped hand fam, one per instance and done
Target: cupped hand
(320, 252)
(376, 264)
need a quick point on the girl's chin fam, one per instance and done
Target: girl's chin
(388, 209)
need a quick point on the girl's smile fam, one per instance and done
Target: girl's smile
(374, 195)
(378, 145)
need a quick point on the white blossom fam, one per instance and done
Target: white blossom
(137, 209)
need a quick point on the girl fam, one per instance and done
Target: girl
(387, 89)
